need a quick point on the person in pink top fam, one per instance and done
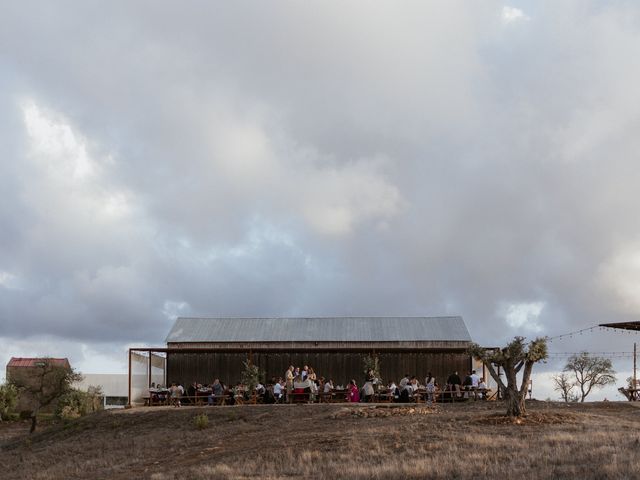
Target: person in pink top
(354, 392)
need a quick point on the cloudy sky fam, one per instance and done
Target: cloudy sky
(315, 158)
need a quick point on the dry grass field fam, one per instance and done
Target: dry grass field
(590, 441)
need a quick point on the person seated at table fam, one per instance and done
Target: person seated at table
(237, 394)
(328, 386)
(404, 381)
(393, 390)
(482, 388)
(368, 391)
(161, 393)
(408, 391)
(260, 391)
(217, 390)
(415, 385)
(217, 387)
(354, 392)
(475, 379)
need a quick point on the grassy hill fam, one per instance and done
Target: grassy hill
(589, 441)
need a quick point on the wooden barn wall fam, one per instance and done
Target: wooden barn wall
(340, 366)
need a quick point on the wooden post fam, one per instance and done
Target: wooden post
(635, 384)
(149, 379)
(129, 398)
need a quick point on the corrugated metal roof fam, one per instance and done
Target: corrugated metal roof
(34, 362)
(316, 329)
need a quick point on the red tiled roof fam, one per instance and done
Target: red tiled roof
(33, 362)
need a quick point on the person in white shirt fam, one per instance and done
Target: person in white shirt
(404, 381)
(392, 387)
(328, 386)
(475, 381)
(368, 392)
(277, 389)
(482, 386)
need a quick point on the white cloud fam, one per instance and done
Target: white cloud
(7, 280)
(619, 277)
(513, 15)
(523, 315)
(55, 144)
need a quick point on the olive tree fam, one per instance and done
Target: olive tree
(8, 399)
(45, 384)
(518, 356)
(590, 372)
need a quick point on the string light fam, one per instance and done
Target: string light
(590, 330)
(599, 354)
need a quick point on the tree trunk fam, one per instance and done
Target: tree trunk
(34, 421)
(515, 403)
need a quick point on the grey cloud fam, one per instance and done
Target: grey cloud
(284, 160)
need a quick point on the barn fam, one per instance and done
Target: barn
(29, 372)
(201, 349)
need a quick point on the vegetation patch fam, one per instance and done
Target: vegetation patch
(532, 418)
(201, 421)
(373, 412)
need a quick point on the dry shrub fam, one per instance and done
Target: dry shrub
(201, 421)
(533, 418)
(373, 412)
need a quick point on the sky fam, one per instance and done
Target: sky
(316, 158)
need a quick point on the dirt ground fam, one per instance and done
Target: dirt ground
(472, 440)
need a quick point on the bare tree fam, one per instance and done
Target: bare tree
(515, 357)
(562, 383)
(590, 372)
(44, 385)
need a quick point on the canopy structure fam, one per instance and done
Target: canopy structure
(622, 325)
(633, 392)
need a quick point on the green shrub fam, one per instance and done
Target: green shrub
(77, 403)
(8, 400)
(201, 421)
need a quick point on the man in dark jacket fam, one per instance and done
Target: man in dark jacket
(453, 382)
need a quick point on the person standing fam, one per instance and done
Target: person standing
(354, 392)
(430, 387)
(288, 377)
(454, 383)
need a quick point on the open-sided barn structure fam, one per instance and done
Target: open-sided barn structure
(199, 349)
